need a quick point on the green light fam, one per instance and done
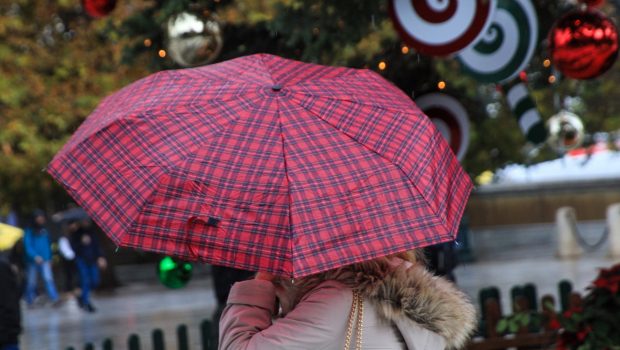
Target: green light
(167, 264)
(174, 274)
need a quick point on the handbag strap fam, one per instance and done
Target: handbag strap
(357, 312)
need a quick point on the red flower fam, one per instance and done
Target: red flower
(582, 334)
(609, 282)
(574, 310)
(554, 324)
(560, 345)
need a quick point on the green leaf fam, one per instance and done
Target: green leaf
(525, 320)
(502, 325)
(513, 327)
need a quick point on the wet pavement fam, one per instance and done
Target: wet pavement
(516, 255)
(137, 308)
(504, 257)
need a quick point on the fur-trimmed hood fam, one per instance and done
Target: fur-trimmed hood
(430, 301)
(401, 290)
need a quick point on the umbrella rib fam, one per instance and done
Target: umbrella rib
(165, 171)
(443, 219)
(359, 102)
(288, 184)
(103, 127)
(164, 167)
(290, 222)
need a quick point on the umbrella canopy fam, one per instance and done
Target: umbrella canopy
(264, 163)
(9, 235)
(71, 214)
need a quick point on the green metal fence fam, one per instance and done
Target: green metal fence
(208, 339)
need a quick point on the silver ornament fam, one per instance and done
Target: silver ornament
(566, 131)
(193, 39)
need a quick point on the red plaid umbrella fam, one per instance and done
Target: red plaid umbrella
(264, 163)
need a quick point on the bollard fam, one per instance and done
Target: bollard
(566, 224)
(529, 291)
(158, 339)
(107, 344)
(89, 346)
(565, 288)
(205, 336)
(183, 340)
(613, 225)
(516, 299)
(133, 342)
(488, 293)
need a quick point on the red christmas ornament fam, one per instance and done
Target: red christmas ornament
(98, 8)
(583, 44)
(592, 3)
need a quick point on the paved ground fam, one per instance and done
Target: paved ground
(510, 256)
(505, 257)
(134, 309)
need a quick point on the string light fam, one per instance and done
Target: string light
(162, 53)
(404, 50)
(382, 65)
(546, 63)
(551, 79)
(147, 42)
(441, 85)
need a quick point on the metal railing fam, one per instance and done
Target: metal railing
(207, 340)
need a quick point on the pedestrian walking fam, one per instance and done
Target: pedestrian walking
(388, 303)
(10, 319)
(39, 255)
(68, 255)
(88, 259)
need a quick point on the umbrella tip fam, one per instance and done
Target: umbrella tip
(276, 87)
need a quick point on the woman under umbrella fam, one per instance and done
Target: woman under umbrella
(267, 164)
(386, 303)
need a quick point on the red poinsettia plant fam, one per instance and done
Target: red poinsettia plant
(595, 323)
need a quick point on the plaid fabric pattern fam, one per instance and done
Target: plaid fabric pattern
(264, 163)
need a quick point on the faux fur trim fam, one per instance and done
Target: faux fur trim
(399, 292)
(430, 301)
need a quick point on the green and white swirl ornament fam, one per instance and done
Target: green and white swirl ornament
(506, 47)
(524, 109)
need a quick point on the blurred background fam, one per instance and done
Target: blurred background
(524, 91)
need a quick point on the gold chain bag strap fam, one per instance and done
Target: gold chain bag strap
(357, 311)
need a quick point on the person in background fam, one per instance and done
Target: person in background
(442, 259)
(223, 279)
(38, 259)
(67, 254)
(17, 259)
(88, 259)
(10, 319)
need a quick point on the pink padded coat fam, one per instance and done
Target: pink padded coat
(414, 311)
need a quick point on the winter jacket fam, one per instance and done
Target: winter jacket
(88, 253)
(37, 243)
(407, 309)
(10, 319)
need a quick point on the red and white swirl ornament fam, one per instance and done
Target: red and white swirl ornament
(441, 27)
(449, 117)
